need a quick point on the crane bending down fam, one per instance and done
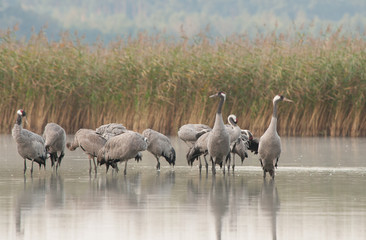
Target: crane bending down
(199, 148)
(110, 130)
(159, 145)
(269, 148)
(218, 144)
(30, 145)
(55, 141)
(121, 148)
(90, 142)
(190, 133)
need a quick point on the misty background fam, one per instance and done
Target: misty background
(109, 19)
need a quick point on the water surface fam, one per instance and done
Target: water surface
(319, 193)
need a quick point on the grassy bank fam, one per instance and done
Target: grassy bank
(162, 83)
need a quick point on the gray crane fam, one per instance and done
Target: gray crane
(30, 145)
(159, 145)
(113, 129)
(218, 143)
(189, 133)
(240, 148)
(199, 148)
(55, 141)
(90, 142)
(270, 143)
(234, 132)
(121, 148)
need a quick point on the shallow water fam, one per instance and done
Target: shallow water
(319, 193)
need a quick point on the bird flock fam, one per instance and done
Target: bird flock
(113, 143)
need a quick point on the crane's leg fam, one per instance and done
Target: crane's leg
(59, 160)
(228, 160)
(95, 166)
(206, 163)
(25, 165)
(276, 163)
(125, 171)
(213, 166)
(233, 162)
(264, 173)
(158, 165)
(32, 168)
(200, 165)
(90, 166)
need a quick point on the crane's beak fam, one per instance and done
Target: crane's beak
(287, 100)
(215, 95)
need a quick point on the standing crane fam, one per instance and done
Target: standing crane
(218, 144)
(269, 148)
(30, 145)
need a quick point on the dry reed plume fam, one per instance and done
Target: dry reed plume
(163, 83)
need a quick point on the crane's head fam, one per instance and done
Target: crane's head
(21, 113)
(232, 118)
(247, 133)
(279, 98)
(219, 94)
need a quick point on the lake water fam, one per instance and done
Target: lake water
(319, 193)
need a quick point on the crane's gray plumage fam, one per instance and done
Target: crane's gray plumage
(270, 143)
(55, 141)
(110, 130)
(239, 148)
(199, 148)
(113, 129)
(234, 132)
(189, 133)
(121, 148)
(90, 142)
(218, 144)
(159, 145)
(30, 145)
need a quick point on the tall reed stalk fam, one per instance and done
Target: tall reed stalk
(153, 81)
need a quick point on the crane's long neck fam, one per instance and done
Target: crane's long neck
(273, 124)
(232, 123)
(17, 128)
(19, 120)
(219, 122)
(221, 103)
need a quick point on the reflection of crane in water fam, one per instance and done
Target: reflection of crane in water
(270, 203)
(219, 199)
(38, 195)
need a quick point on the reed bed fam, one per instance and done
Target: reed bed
(160, 82)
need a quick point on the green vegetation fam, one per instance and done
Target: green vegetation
(162, 83)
